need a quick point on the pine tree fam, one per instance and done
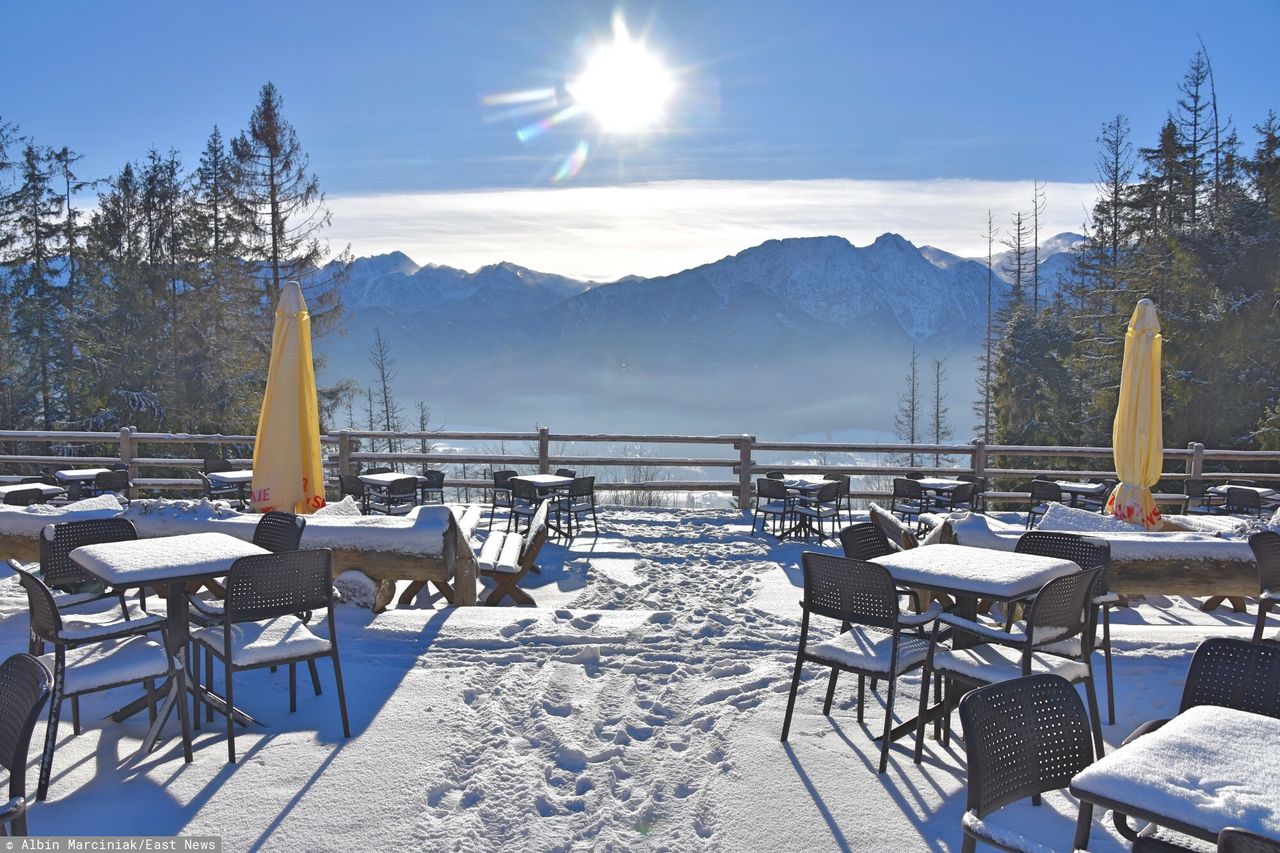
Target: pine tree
(907, 423)
(1017, 260)
(938, 425)
(282, 205)
(1194, 125)
(389, 411)
(982, 406)
(12, 393)
(424, 425)
(1037, 210)
(72, 238)
(37, 302)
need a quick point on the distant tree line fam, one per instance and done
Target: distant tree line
(154, 307)
(1192, 222)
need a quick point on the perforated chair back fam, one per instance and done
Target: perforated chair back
(216, 464)
(24, 497)
(775, 475)
(24, 688)
(865, 541)
(46, 621)
(566, 472)
(1234, 674)
(350, 484)
(404, 487)
(111, 481)
(907, 488)
(962, 494)
(1045, 491)
(432, 480)
(501, 479)
(523, 491)
(1266, 550)
(852, 591)
(1023, 737)
(914, 475)
(264, 586)
(1234, 840)
(1087, 552)
(1243, 500)
(828, 493)
(582, 487)
(1062, 609)
(57, 541)
(279, 531)
(380, 470)
(768, 488)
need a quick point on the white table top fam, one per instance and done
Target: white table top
(169, 558)
(803, 484)
(1222, 490)
(45, 489)
(974, 571)
(80, 473)
(1081, 488)
(1208, 767)
(387, 478)
(545, 480)
(230, 478)
(939, 483)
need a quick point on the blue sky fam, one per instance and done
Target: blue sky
(387, 97)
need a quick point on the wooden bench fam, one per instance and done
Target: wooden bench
(508, 557)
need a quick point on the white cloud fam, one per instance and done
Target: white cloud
(604, 233)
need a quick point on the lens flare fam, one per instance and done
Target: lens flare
(573, 164)
(623, 86)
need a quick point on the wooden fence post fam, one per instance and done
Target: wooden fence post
(1195, 465)
(979, 458)
(344, 452)
(128, 449)
(544, 447)
(745, 446)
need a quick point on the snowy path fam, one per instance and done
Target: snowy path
(637, 708)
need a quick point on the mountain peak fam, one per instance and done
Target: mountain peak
(889, 240)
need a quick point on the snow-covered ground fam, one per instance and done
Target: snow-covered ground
(638, 706)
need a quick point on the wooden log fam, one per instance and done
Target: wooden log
(1184, 577)
(24, 549)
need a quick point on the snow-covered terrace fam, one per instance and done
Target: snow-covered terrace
(638, 706)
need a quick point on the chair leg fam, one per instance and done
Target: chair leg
(1106, 659)
(888, 720)
(831, 691)
(208, 683)
(920, 721)
(968, 844)
(1094, 717)
(75, 715)
(149, 685)
(231, 718)
(1261, 625)
(315, 676)
(293, 688)
(342, 696)
(51, 730)
(791, 699)
(862, 695)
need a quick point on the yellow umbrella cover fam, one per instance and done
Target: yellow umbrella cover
(1137, 436)
(287, 474)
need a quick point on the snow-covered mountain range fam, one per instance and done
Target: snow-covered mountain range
(822, 325)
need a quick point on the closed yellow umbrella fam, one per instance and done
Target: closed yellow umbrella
(287, 474)
(1137, 436)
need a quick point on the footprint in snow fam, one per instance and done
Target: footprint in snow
(516, 627)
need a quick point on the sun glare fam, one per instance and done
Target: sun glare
(623, 86)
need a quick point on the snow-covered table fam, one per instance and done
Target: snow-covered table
(46, 491)
(231, 478)
(80, 474)
(939, 484)
(1206, 769)
(970, 573)
(1076, 489)
(170, 562)
(1261, 491)
(381, 481)
(546, 482)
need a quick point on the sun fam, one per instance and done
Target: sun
(623, 86)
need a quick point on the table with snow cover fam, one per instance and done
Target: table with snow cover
(170, 562)
(1206, 769)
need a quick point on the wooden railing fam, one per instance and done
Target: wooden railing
(736, 455)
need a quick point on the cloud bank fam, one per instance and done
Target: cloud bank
(604, 233)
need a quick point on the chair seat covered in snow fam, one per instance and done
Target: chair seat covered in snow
(508, 557)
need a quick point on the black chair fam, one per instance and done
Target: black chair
(1233, 840)
(775, 475)
(221, 492)
(260, 627)
(1022, 738)
(431, 487)
(501, 493)
(961, 497)
(400, 495)
(216, 465)
(71, 585)
(24, 690)
(909, 500)
(1266, 551)
(813, 509)
(524, 503)
(566, 472)
(1043, 493)
(846, 489)
(772, 501)
(377, 471)
(1253, 483)
(579, 500)
(871, 642)
(351, 485)
(1243, 502)
(112, 483)
(24, 497)
(91, 656)
(865, 542)
(1059, 612)
(980, 488)
(1206, 501)
(915, 475)
(1087, 552)
(279, 531)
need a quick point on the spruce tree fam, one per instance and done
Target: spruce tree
(908, 426)
(73, 230)
(986, 362)
(939, 427)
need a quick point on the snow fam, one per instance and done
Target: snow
(356, 588)
(113, 662)
(141, 561)
(999, 663)
(257, 643)
(1210, 767)
(639, 706)
(870, 650)
(30, 520)
(976, 570)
